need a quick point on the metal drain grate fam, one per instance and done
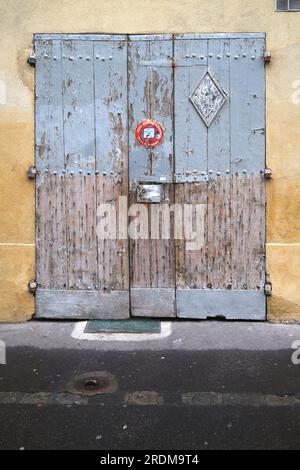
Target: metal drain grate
(93, 383)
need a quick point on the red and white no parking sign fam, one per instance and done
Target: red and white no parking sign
(149, 133)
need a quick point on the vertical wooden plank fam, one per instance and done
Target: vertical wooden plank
(140, 164)
(81, 232)
(79, 142)
(248, 231)
(197, 259)
(152, 260)
(42, 144)
(51, 249)
(247, 161)
(111, 129)
(51, 233)
(48, 106)
(78, 102)
(162, 252)
(219, 129)
(256, 89)
(191, 265)
(161, 103)
(191, 131)
(151, 97)
(140, 249)
(140, 159)
(110, 63)
(219, 188)
(219, 233)
(180, 254)
(240, 102)
(256, 241)
(240, 229)
(247, 96)
(113, 265)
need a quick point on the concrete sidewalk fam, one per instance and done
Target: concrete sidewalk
(198, 385)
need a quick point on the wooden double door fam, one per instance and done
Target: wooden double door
(176, 229)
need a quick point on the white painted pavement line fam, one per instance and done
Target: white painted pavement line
(152, 398)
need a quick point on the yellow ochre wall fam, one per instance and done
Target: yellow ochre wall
(20, 19)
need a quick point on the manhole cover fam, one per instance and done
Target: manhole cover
(93, 383)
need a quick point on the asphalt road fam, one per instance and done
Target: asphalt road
(204, 386)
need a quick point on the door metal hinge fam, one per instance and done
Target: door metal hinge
(268, 287)
(31, 173)
(268, 173)
(267, 57)
(32, 59)
(32, 286)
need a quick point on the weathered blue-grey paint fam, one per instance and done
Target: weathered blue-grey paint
(235, 141)
(111, 117)
(78, 105)
(82, 304)
(157, 302)
(218, 134)
(91, 92)
(49, 107)
(151, 97)
(190, 130)
(49, 158)
(81, 160)
(232, 305)
(247, 105)
(228, 274)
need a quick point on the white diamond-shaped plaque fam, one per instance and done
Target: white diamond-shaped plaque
(208, 98)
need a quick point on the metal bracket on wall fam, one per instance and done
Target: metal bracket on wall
(268, 287)
(32, 286)
(32, 59)
(31, 173)
(268, 173)
(267, 57)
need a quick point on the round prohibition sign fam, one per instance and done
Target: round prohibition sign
(149, 133)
